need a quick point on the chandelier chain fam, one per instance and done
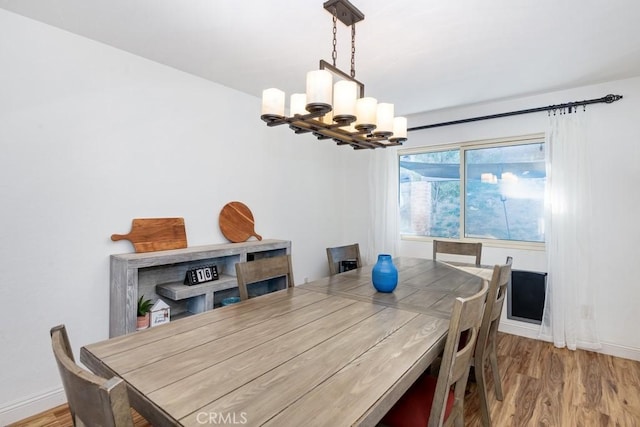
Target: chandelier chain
(334, 54)
(352, 119)
(353, 50)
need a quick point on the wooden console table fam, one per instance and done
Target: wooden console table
(161, 274)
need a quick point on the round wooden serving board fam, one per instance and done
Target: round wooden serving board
(236, 222)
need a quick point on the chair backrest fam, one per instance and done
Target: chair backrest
(493, 309)
(92, 400)
(458, 248)
(466, 318)
(343, 253)
(263, 269)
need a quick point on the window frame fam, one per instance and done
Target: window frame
(463, 147)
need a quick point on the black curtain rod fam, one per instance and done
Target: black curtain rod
(606, 99)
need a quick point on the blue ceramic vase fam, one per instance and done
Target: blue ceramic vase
(384, 274)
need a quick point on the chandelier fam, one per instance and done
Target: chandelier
(337, 111)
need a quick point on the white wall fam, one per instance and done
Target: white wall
(613, 135)
(92, 137)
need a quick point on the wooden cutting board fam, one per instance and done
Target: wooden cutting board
(155, 234)
(236, 222)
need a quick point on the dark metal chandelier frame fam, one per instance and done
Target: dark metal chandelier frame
(339, 128)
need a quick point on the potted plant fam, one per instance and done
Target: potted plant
(144, 308)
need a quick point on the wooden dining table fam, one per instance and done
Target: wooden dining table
(332, 352)
(483, 271)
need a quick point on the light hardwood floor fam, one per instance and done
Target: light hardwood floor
(543, 386)
(548, 386)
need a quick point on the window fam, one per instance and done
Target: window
(480, 190)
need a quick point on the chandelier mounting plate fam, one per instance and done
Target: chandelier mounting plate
(347, 13)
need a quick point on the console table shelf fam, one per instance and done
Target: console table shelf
(177, 291)
(161, 274)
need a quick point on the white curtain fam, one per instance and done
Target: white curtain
(383, 235)
(569, 318)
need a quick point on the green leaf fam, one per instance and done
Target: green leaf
(144, 306)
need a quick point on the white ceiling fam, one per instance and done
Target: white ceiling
(419, 54)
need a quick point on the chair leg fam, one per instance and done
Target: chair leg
(459, 420)
(481, 386)
(493, 358)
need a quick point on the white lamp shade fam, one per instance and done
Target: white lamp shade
(366, 109)
(327, 118)
(509, 177)
(298, 104)
(319, 86)
(273, 101)
(384, 117)
(488, 178)
(345, 93)
(399, 127)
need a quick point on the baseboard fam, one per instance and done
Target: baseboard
(522, 329)
(19, 410)
(620, 351)
(530, 330)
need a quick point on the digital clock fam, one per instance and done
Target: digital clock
(198, 275)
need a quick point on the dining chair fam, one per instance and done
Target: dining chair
(437, 402)
(458, 248)
(487, 337)
(343, 255)
(263, 269)
(92, 400)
